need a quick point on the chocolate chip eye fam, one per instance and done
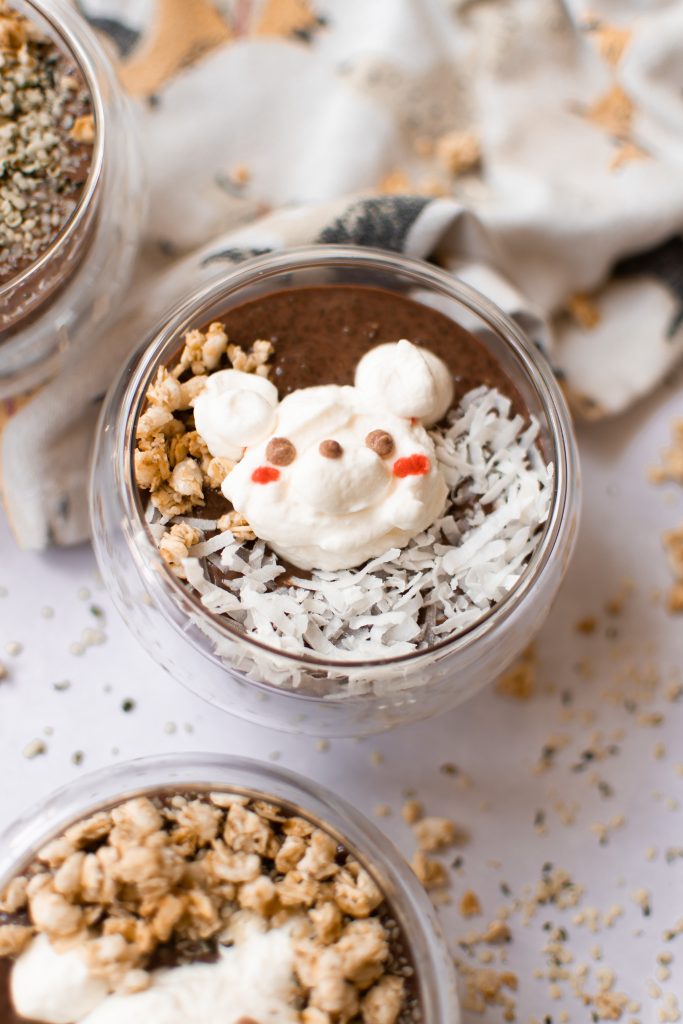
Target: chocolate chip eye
(280, 451)
(381, 443)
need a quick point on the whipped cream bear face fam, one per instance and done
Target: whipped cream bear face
(333, 475)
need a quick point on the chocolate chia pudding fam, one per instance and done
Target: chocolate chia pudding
(341, 469)
(194, 906)
(47, 134)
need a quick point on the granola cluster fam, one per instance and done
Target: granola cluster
(171, 460)
(186, 873)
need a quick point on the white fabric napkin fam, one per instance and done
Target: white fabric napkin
(550, 133)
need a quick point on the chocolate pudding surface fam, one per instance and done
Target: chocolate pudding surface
(321, 332)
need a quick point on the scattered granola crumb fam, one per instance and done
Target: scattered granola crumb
(469, 905)
(382, 810)
(14, 648)
(322, 745)
(435, 833)
(4, 671)
(519, 682)
(34, 749)
(458, 152)
(411, 811)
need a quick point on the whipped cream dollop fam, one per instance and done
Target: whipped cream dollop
(235, 409)
(407, 380)
(54, 987)
(251, 980)
(341, 479)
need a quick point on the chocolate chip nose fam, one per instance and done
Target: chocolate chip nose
(330, 449)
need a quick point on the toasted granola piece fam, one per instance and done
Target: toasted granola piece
(171, 504)
(327, 921)
(53, 914)
(355, 891)
(431, 873)
(174, 547)
(215, 346)
(14, 897)
(363, 948)
(187, 479)
(319, 861)
(151, 466)
(384, 1002)
(14, 938)
(435, 833)
(238, 526)
(166, 391)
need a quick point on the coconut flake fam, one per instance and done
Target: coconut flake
(440, 584)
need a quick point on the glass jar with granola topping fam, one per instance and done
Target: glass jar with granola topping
(337, 492)
(202, 887)
(71, 190)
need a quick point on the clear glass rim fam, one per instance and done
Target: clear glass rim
(533, 362)
(71, 29)
(109, 785)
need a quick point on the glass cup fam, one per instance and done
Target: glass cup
(206, 772)
(306, 692)
(74, 287)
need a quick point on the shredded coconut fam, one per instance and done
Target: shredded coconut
(440, 584)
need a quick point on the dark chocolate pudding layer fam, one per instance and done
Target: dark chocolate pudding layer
(321, 333)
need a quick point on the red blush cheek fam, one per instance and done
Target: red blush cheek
(265, 475)
(411, 465)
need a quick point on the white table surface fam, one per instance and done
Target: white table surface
(494, 740)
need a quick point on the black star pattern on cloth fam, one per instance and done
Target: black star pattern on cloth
(383, 222)
(665, 263)
(233, 255)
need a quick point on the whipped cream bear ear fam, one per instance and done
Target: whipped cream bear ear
(406, 380)
(235, 410)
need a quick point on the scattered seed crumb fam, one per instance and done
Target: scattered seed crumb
(47, 612)
(587, 625)
(274, 755)
(61, 686)
(377, 757)
(322, 745)
(642, 899)
(659, 751)
(77, 757)
(128, 705)
(411, 811)
(469, 905)
(77, 649)
(14, 648)
(382, 810)
(84, 594)
(170, 728)
(4, 671)
(519, 682)
(34, 749)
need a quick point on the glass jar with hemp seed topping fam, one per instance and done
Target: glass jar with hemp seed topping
(71, 189)
(200, 887)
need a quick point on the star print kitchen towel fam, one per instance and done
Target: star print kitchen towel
(534, 147)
